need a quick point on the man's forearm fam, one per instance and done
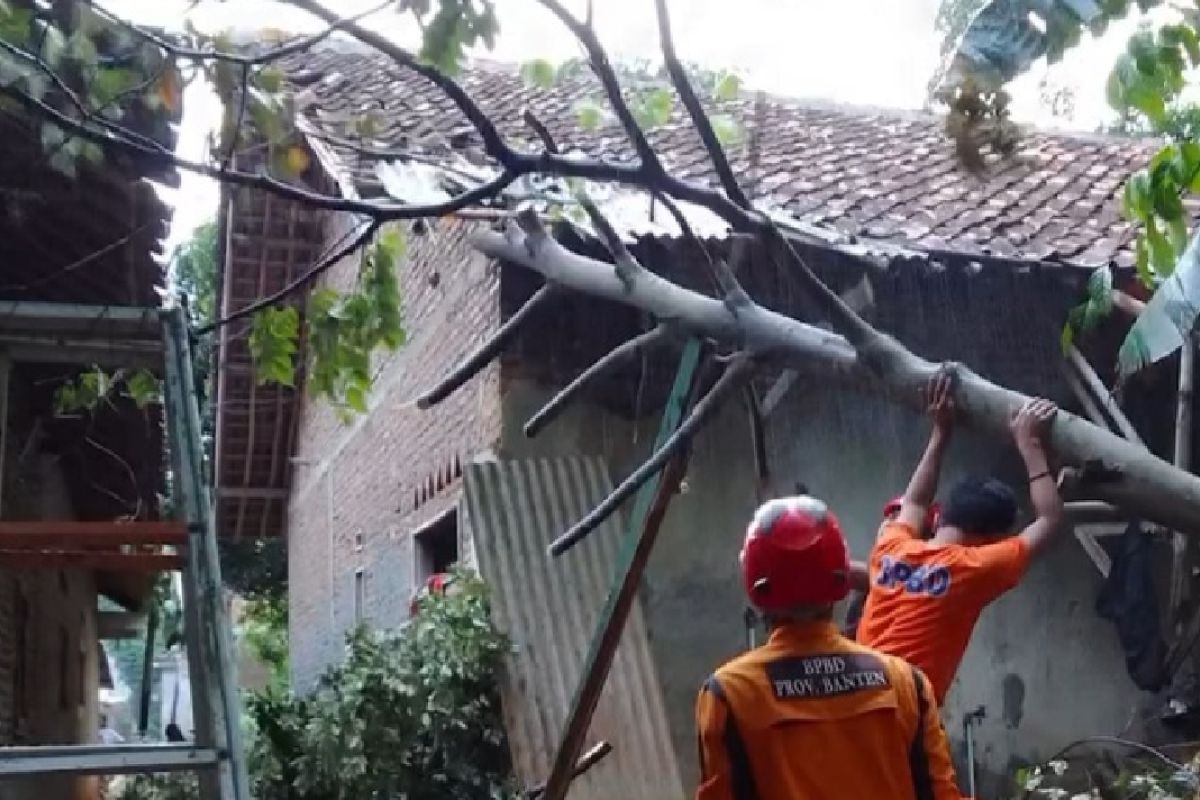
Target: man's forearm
(1043, 489)
(922, 487)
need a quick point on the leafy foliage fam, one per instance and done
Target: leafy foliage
(1146, 86)
(254, 567)
(1133, 778)
(67, 56)
(652, 99)
(412, 714)
(344, 329)
(95, 388)
(265, 631)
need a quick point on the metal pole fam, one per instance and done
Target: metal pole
(147, 671)
(203, 559)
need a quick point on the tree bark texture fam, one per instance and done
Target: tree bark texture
(1145, 486)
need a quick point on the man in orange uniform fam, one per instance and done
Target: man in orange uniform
(925, 596)
(811, 714)
(859, 572)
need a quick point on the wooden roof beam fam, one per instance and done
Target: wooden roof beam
(73, 533)
(82, 559)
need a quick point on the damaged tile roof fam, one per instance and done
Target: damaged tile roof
(884, 175)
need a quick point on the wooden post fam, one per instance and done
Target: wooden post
(649, 509)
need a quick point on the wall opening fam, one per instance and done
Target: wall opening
(360, 596)
(437, 546)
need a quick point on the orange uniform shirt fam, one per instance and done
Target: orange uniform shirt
(811, 715)
(925, 598)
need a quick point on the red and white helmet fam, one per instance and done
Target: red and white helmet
(794, 555)
(435, 584)
(933, 514)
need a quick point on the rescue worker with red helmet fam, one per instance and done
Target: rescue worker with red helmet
(811, 714)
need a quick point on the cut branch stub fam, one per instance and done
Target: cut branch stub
(490, 349)
(613, 359)
(1148, 487)
(738, 370)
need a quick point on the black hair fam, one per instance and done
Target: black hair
(980, 507)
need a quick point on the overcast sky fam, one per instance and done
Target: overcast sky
(866, 52)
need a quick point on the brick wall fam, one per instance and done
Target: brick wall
(359, 488)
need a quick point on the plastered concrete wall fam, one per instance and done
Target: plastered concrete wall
(1046, 668)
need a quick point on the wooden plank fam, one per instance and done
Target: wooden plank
(75, 533)
(82, 559)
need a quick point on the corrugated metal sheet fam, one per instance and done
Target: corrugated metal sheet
(550, 608)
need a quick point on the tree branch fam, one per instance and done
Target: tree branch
(1138, 481)
(162, 157)
(274, 54)
(615, 358)
(758, 444)
(309, 275)
(490, 349)
(243, 100)
(626, 265)
(493, 143)
(691, 102)
(598, 59)
(738, 371)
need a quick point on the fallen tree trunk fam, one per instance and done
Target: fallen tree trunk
(1143, 485)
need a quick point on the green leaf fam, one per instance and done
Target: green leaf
(143, 388)
(589, 114)
(1142, 263)
(111, 83)
(1162, 255)
(728, 87)
(270, 79)
(726, 128)
(539, 72)
(356, 398)
(15, 26)
(1171, 312)
(274, 338)
(1138, 203)
(1177, 234)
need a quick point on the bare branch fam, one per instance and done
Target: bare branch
(598, 59)
(274, 54)
(309, 275)
(844, 319)
(735, 373)
(1142, 484)
(487, 351)
(758, 444)
(735, 296)
(243, 100)
(615, 358)
(685, 228)
(493, 143)
(539, 128)
(163, 157)
(696, 111)
(626, 265)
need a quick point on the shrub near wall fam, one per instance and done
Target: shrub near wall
(413, 714)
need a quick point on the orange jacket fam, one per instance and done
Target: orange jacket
(813, 716)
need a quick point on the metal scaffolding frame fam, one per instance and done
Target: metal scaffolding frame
(128, 336)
